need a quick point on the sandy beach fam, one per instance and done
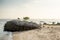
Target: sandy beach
(43, 34)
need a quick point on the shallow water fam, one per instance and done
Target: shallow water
(3, 35)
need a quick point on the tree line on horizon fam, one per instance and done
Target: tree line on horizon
(53, 23)
(27, 18)
(24, 18)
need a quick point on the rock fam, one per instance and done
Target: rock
(17, 25)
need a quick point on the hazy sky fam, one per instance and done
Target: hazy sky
(43, 9)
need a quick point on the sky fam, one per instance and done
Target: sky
(36, 9)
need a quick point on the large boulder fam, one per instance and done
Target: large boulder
(17, 25)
